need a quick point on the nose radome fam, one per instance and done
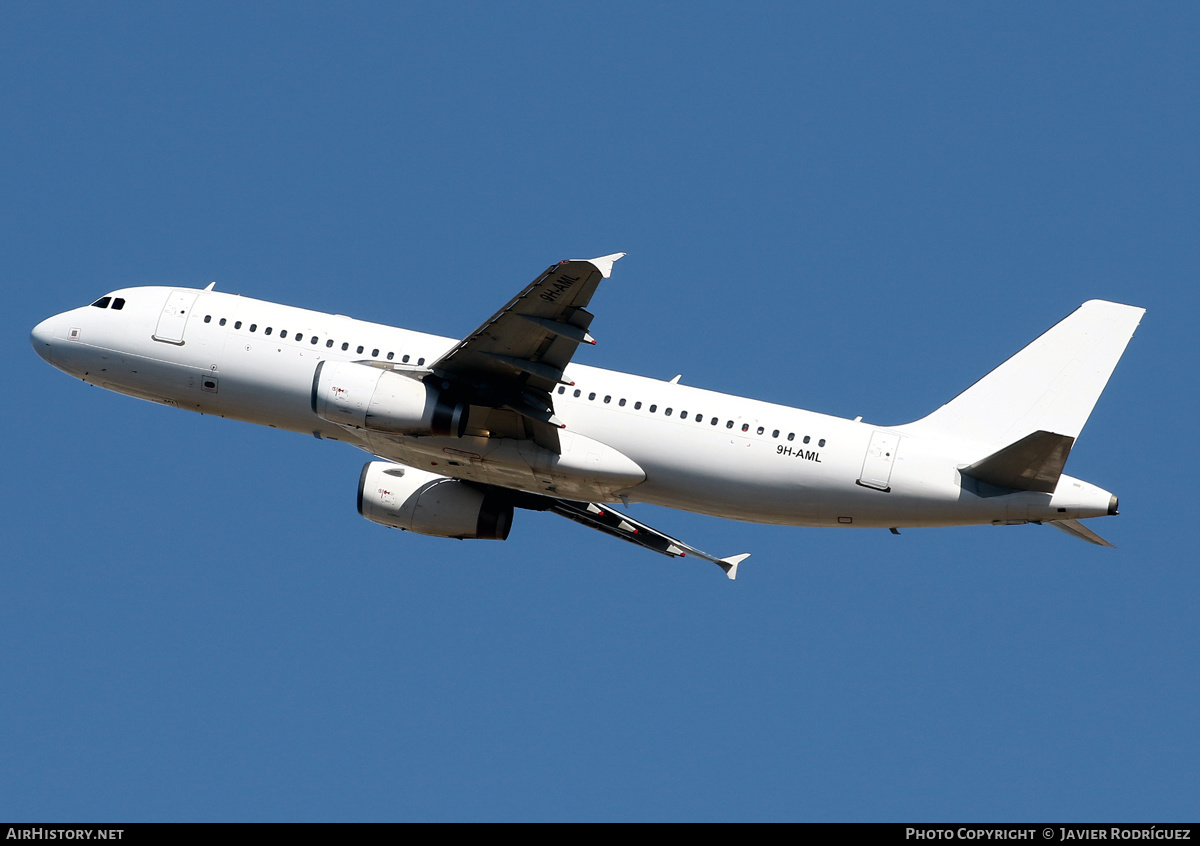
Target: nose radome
(42, 339)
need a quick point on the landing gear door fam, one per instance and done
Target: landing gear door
(877, 466)
(174, 317)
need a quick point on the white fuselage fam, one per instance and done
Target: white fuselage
(699, 450)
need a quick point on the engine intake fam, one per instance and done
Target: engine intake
(366, 397)
(428, 504)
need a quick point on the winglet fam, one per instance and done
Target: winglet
(730, 564)
(604, 263)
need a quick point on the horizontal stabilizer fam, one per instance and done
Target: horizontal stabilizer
(1077, 529)
(1033, 463)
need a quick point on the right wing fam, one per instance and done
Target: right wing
(623, 526)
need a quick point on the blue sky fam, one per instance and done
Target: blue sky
(854, 208)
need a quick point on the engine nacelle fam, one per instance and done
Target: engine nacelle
(366, 397)
(428, 504)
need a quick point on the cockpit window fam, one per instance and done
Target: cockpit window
(102, 302)
(118, 303)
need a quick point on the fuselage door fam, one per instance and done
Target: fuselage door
(174, 317)
(877, 466)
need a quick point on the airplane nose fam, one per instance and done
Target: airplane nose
(42, 339)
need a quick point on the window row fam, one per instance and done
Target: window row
(696, 415)
(298, 338)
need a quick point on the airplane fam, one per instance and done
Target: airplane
(462, 433)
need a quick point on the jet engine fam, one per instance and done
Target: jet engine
(428, 504)
(380, 400)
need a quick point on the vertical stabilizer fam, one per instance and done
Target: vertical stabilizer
(1050, 386)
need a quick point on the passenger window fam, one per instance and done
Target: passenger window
(119, 303)
(821, 442)
(328, 344)
(391, 355)
(253, 327)
(807, 439)
(237, 324)
(561, 390)
(267, 331)
(714, 421)
(791, 436)
(405, 359)
(622, 402)
(345, 346)
(360, 349)
(102, 302)
(283, 333)
(745, 427)
(208, 318)
(420, 361)
(578, 392)
(637, 404)
(728, 424)
(222, 322)
(375, 353)
(682, 414)
(592, 395)
(607, 398)
(760, 430)
(667, 412)
(775, 434)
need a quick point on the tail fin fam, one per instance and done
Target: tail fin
(1051, 386)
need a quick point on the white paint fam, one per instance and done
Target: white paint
(863, 475)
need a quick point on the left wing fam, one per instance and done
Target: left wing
(513, 361)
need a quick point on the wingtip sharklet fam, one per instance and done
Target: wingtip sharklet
(604, 263)
(730, 564)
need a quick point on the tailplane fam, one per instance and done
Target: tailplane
(1029, 410)
(1077, 529)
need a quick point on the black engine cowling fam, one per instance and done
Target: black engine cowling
(428, 504)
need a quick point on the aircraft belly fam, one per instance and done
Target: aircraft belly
(585, 469)
(712, 472)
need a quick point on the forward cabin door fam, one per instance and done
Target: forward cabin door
(174, 317)
(877, 466)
